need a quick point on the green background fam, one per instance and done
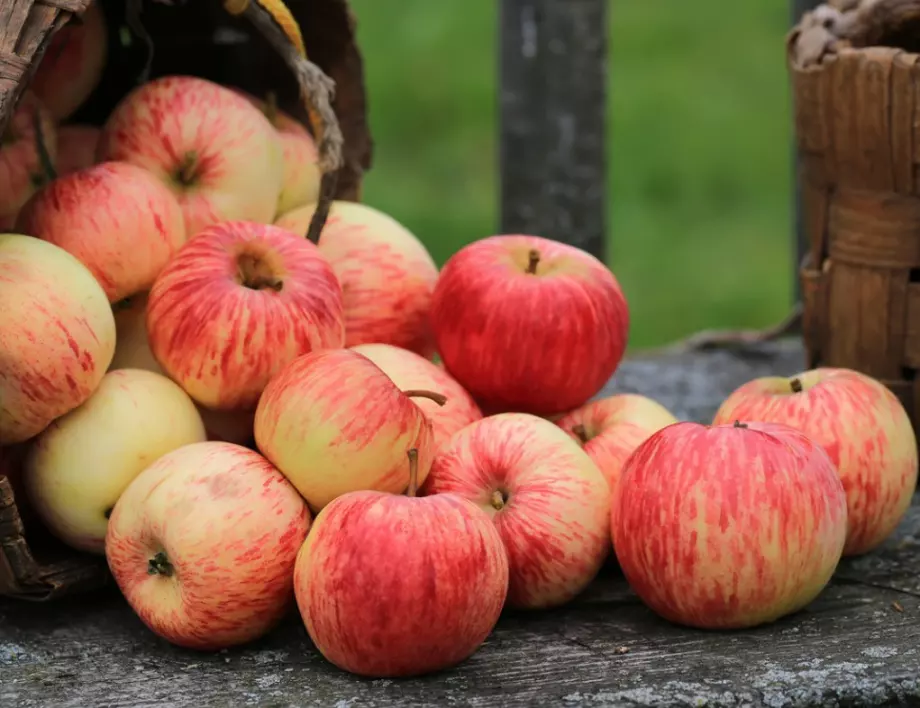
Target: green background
(699, 183)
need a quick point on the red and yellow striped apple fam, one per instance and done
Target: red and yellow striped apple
(79, 465)
(728, 526)
(203, 544)
(409, 370)
(76, 148)
(397, 586)
(237, 303)
(211, 146)
(529, 325)
(387, 275)
(119, 220)
(864, 429)
(333, 422)
(21, 169)
(549, 501)
(57, 335)
(72, 65)
(611, 428)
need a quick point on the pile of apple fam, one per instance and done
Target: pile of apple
(243, 422)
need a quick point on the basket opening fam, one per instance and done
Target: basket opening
(905, 35)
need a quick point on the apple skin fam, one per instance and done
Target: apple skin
(119, 220)
(549, 501)
(333, 423)
(228, 524)
(72, 66)
(57, 335)
(222, 340)
(541, 343)
(76, 148)
(387, 275)
(410, 371)
(391, 586)
(80, 464)
(864, 429)
(615, 426)
(208, 144)
(21, 170)
(728, 527)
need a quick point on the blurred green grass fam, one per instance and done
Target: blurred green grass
(698, 151)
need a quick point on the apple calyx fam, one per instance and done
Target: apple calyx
(438, 398)
(533, 258)
(796, 385)
(582, 433)
(255, 273)
(188, 168)
(498, 500)
(160, 565)
(739, 424)
(413, 472)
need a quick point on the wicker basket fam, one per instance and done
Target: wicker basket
(197, 38)
(856, 91)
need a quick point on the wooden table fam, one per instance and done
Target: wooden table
(858, 644)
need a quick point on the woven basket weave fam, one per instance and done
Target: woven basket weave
(195, 38)
(856, 89)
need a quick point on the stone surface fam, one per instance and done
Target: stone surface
(857, 645)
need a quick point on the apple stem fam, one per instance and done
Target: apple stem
(438, 398)
(497, 500)
(413, 472)
(271, 107)
(796, 385)
(739, 424)
(582, 434)
(533, 260)
(186, 174)
(160, 565)
(44, 158)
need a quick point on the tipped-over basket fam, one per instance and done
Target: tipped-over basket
(232, 42)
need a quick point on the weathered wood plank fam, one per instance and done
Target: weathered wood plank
(552, 124)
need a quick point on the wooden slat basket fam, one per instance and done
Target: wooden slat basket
(148, 39)
(855, 75)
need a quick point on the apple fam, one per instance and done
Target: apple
(118, 219)
(80, 464)
(237, 303)
(611, 428)
(409, 370)
(203, 543)
(132, 349)
(57, 335)
(333, 422)
(72, 65)
(76, 148)
(301, 158)
(549, 501)
(21, 168)
(387, 275)
(397, 586)
(529, 325)
(212, 147)
(728, 526)
(864, 429)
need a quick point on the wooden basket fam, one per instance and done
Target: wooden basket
(856, 90)
(200, 38)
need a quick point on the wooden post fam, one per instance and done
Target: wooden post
(553, 79)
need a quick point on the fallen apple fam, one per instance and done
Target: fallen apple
(237, 303)
(529, 325)
(548, 500)
(203, 543)
(397, 586)
(864, 429)
(387, 275)
(119, 220)
(729, 526)
(57, 335)
(211, 146)
(409, 370)
(333, 423)
(80, 464)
